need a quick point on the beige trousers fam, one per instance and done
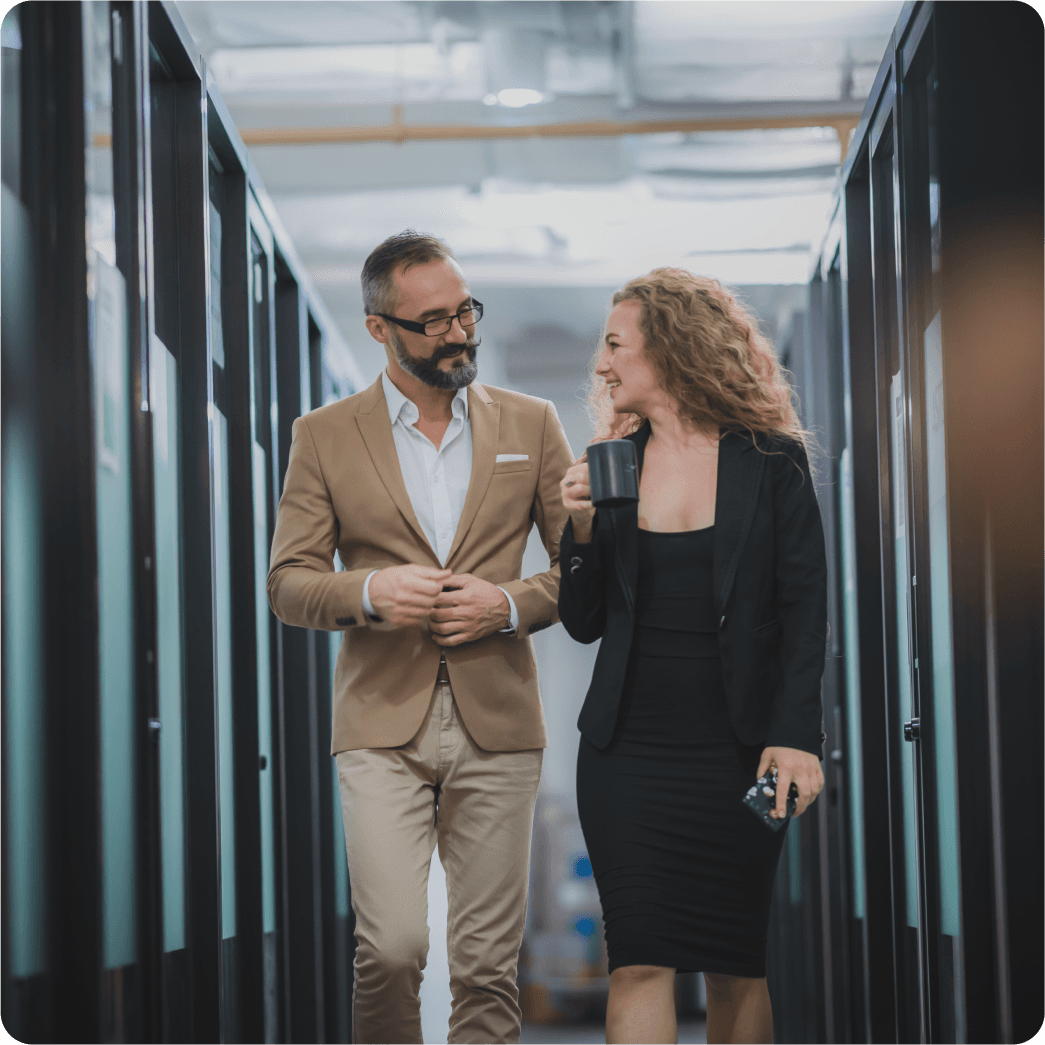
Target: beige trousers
(398, 803)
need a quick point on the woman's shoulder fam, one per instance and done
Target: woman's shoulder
(786, 445)
(769, 442)
(783, 453)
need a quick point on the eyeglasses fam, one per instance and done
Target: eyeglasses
(467, 317)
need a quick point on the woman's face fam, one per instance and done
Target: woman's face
(622, 364)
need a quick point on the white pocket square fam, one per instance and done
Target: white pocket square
(512, 457)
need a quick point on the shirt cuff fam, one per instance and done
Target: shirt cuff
(513, 614)
(368, 606)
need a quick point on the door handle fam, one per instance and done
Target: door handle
(911, 730)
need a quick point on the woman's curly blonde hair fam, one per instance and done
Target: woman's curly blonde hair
(706, 349)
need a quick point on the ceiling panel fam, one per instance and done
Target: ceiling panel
(749, 206)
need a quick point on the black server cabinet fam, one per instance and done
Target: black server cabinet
(926, 318)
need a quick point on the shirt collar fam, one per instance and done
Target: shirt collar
(399, 406)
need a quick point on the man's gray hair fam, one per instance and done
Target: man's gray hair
(400, 251)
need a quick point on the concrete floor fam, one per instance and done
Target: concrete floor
(690, 1031)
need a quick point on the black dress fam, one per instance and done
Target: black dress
(685, 872)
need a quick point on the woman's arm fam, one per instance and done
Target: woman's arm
(582, 593)
(801, 590)
(794, 741)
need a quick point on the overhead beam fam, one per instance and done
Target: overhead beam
(398, 132)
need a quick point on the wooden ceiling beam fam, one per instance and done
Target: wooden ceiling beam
(398, 132)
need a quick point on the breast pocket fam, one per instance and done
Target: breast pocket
(505, 467)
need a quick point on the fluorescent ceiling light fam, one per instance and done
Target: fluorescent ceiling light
(515, 66)
(517, 97)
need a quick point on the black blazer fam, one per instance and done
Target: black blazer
(770, 578)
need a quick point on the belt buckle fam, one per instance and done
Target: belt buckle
(443, 675)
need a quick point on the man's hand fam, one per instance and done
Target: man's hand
(469, 609)
(795, 765)
(404, 595)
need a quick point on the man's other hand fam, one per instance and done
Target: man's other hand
(470, 609)
(404, 595)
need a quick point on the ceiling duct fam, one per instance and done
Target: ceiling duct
(516, 37)
(515, 66)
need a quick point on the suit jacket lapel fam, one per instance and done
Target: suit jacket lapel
(740, 466)
(484, 418)
(376, 430)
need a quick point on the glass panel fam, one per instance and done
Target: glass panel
(340, 856)
(942, 659)
(223, 664)
(898, 470)
(851, 638)
(166, 471)
(11, 102)
(25, 862)
(107, 311)
(262, 624)
(101, 210)
(260, 359)
(24, 725)
(163, 121)
(260, 341)
(115, 614)
(218, 338)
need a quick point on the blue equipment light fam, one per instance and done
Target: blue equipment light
(585, 926)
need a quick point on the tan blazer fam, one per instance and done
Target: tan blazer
(344, 492)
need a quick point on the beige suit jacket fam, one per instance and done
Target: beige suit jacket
(344, 492)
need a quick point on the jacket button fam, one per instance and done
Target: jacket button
(722, 622)
(346, 622)
(575, 563)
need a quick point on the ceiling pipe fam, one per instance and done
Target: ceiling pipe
(398, 132)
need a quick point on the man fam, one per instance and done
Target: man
(427, 485)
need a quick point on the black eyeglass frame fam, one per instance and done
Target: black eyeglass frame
(419, 328)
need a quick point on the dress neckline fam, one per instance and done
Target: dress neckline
(677, 533)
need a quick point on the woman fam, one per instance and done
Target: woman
(710, 599)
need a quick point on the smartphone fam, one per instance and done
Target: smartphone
(761, 800)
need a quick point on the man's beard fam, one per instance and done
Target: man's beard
(460, 375)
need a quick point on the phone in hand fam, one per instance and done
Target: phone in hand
(761, 800)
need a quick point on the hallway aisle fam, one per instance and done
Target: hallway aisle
(691, 1032)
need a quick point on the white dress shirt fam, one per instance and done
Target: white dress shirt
(436, 479)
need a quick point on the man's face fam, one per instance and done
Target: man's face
(431, 291)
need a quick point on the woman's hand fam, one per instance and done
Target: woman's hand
(576, 499)
(792, 764)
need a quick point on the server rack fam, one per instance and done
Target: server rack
(174, 867)
(912, 904)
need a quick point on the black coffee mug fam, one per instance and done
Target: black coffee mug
(613, 473)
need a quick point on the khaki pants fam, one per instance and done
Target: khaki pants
(478, 805)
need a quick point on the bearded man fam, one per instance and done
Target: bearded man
(427, 485)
